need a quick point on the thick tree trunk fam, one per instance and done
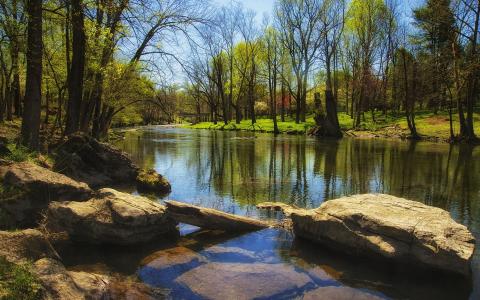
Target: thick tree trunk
(75, 80)
(33, 90)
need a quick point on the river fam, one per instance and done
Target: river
(233, 171)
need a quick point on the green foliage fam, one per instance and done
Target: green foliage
(20, 153)
(18, 282)
(262, 125)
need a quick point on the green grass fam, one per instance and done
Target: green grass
(428, 124)
(18, 282)
(20, 153)
(262, 125)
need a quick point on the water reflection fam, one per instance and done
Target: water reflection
(233, 171)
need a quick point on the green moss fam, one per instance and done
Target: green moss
(18, 282)
(150, 180)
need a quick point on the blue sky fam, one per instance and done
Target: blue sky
(266, 6)
(259, 6)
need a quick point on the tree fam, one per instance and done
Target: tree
(33, 84)
(365, 31)
(75, 80)
(272, 64)
(299, 22)
(332, 23)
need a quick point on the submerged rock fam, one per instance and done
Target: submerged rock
(111, 217)
(244, 281)
(392, 227)
(98, 164)
(338, 293)
(211, 218)
(150, 180)
(162, 267)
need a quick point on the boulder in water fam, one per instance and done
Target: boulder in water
(150, 180)
(391, 227)
(111, 217)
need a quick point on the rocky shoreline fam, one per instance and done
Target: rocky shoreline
(69, 200)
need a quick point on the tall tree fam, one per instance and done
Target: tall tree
(301, 35)
(75, 80)
(33, 84)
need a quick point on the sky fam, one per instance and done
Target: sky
(266, 6)
(259, 6)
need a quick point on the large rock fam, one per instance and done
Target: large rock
(391, 227)
(111, 217)
(43, 184)
(212, 219)
(98, 164)
(28, 188)
(59, 283)
(244, 281)
(25, 245)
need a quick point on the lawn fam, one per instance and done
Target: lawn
(428, 124)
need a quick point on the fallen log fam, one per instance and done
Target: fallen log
(211, 219)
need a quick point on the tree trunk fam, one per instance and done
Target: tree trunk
(75, 80)
(33, 84)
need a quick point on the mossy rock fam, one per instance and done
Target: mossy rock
(150, 180)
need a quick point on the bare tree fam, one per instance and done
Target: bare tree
(299, 22)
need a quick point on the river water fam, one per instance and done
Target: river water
(233, 171)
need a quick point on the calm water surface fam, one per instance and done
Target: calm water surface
(232, 171)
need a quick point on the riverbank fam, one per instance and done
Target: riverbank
(431, 127)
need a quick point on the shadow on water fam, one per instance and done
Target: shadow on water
(233, 171)
(398, 281)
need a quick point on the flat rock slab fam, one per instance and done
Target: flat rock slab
(243, 281)
(111, 217)
(211, 218)
(389, 226)
(42, 183)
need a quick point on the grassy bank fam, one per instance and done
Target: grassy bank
(429, 125)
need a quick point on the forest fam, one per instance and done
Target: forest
(69, 66)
